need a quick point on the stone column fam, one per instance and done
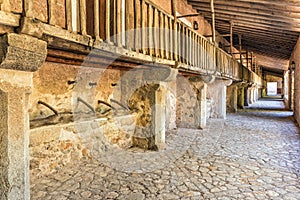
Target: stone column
(246, 96)
(202, 106)
(232, 98)
(159, 115)
(217, 91)
(20, 55)
(240, 95)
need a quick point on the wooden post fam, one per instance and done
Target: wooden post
(175, 41)
(96, 20)
(213, 20)
(83, 17)
(240, 48)
(69, 15)
(119, 22)
(252, 62)
(107, 21)
(247, 59)
(151, 29)
(137, 25)
(231, 40)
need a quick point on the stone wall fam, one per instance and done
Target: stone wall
(51, 86)
(188, 102)
(296, 58)
(52, 147)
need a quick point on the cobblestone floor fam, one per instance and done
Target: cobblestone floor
(254, 154)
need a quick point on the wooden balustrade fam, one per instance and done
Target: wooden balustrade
(143, 27)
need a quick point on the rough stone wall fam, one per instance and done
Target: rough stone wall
(231, 98)
(214, 99)
(51, 86)
(142, 102)
(52, 147)
(296, 58)
(171, 101)
(187, 102)
(11, 5)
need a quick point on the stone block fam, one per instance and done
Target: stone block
(40, 10)
(22, 52)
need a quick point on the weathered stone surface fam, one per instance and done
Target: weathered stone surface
(227, 168)
(40, 10)
(14, 133)
(22, 52)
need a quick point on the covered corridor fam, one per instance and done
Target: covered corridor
(253, 154)
(149, 99)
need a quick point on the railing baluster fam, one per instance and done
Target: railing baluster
(179, 46)
(119, 22)
(172, 35)
(137, 26)
(151, 26)
(143, 22)
(96, 20)
(162, 39)
(167, 37)
(69, 15)
(107, 21)
(83, 17)
(129, 26)
(156, 33)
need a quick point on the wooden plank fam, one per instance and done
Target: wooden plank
(119, 22)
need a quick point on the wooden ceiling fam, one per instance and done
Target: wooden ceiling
(269, 28)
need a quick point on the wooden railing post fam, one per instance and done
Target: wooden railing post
(83, 17)
(96, 20)
(69, 15)
(107, 21)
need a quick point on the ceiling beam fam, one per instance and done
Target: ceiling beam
(249, 10)
(280, 3)
(257, 6)
(257, 21)
(284, 36)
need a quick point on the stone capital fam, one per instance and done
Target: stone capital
(205, 78)
(22, 52)
(160, 74)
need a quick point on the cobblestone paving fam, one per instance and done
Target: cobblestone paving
(254, 154)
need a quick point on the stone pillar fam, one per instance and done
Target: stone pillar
(217, 91)
(200, 110)
(240, 96)
(291, 89)
(148, 98)
(232, 98)
(202, 106)
(246, 96)
(20, 55)
(251, 95)
(159, 115)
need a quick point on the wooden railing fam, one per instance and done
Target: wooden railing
(142, 27)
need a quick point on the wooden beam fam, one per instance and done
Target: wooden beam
(262, 26)
(206, 11)
(248, 10)
(212, 9)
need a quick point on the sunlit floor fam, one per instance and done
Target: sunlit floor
(253, 154)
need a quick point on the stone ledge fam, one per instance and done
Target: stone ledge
(22, 52)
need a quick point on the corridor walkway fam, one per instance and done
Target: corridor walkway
(254, 154)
